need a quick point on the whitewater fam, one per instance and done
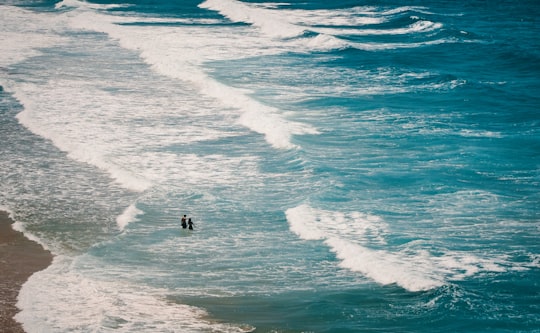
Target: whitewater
(349, 167)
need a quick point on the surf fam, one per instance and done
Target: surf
(359, 241)
(174, 55)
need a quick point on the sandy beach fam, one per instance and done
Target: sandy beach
(19, 259)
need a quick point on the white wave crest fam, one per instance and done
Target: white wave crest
(268, 21)
(129, 215)
(358, 240)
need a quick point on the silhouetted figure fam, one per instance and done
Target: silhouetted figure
(184, 225)
(190, 224)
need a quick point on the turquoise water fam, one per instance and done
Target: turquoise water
(350, 167)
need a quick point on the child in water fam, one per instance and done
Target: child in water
(190, 224)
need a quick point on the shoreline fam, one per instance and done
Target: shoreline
(19, 259)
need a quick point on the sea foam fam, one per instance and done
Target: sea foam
(83, 303)
(267, 20)
(186, 52)
(129, 215)
(359, 242)
(22, 34)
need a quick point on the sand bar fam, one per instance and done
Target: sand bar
(19, 258)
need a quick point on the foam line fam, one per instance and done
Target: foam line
(269, 22)
(358, 240)
(129, 215)
(417, 27)
(77, 151)
(276, 25)
(109, 305)
(19, 226)
(411, 273)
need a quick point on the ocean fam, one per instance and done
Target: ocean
(349, 166)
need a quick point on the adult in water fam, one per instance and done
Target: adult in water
(184, 225)
(190, 224)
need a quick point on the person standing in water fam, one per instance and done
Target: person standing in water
(190, 224)
(184, 225)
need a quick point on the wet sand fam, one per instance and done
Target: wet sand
(19, 258)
